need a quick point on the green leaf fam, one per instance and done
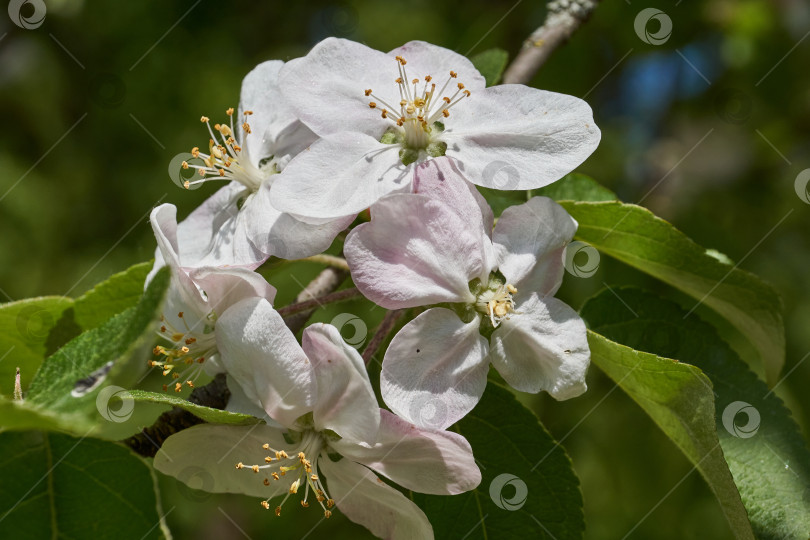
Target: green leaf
(111, 297)
(208, 414)
(576, 187)
(678, 397)
(491, 64)
(111, 346)
(24, 330)
(56, 486)
(635, 236)
(528, 489)
(762, 444)
(17, 415)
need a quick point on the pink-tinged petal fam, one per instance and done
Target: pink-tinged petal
(340, 175)
(164, 224)
(414, 252)
(530, 240)
(205, 457)
(326, 88)
(368, 501)
(440, 179)
(422, 460)
(281, 235)
(225, 287)
(427, 59)
(514, 137)
(345, 401)
(215, 233)
(275, 130)
(264, 358)
(434, 371)
(543, 346)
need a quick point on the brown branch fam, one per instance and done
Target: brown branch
(315, 303)
(562, 20)
(387, 324)
(326, 282)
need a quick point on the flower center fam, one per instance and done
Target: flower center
(305, 471)
(497, 302)
(226, 159)
(190, 346)
(417, 118)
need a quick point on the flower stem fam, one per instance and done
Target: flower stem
(387, 324)
(329, 260)
(339, 296)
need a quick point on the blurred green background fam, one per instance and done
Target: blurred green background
(709, 130)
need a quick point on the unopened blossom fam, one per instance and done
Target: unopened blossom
(249, 150)
(495, 288)
(329, 439)
(379, 115)
(194, 301)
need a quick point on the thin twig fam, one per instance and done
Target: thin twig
(562, 20)
(387, 324)
(309, 305)
(329, 260)
(325, 283)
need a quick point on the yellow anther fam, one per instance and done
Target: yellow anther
(204, 119)
(305, 504)
(266, 505)
(511, 288)
(240, 465)
(255, 468)
(372, 105)
(185, 166)
(445, 113)
(278, 510)
(368, 92)
(266, 482)
(460, 86)
(327, 514)
(229, 111)
(453, 74)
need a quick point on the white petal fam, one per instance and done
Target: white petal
(345, 402)
(339, 175)
(543, 346)
(263, 356)
(422, 460)
(282, 235)
(515, 137)
(205, 457)
(215, 233)
(275, 130)
(530, 240)
(164, 224)
(434, 371)
(440, 179)
(226, 286)
(326, 87)
(427, 59)
(365, 499)
(414, 252)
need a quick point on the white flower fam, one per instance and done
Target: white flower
(496, 287)
(380, 114)
(195, 299)
(330, 436)
(238, 225)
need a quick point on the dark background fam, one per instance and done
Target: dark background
(708, 130)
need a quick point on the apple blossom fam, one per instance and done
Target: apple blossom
(377, 123)
(495, 289)
(195, 299)
(330, 434)
(238, 225)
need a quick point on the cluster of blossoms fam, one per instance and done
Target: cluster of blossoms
(407, 134)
